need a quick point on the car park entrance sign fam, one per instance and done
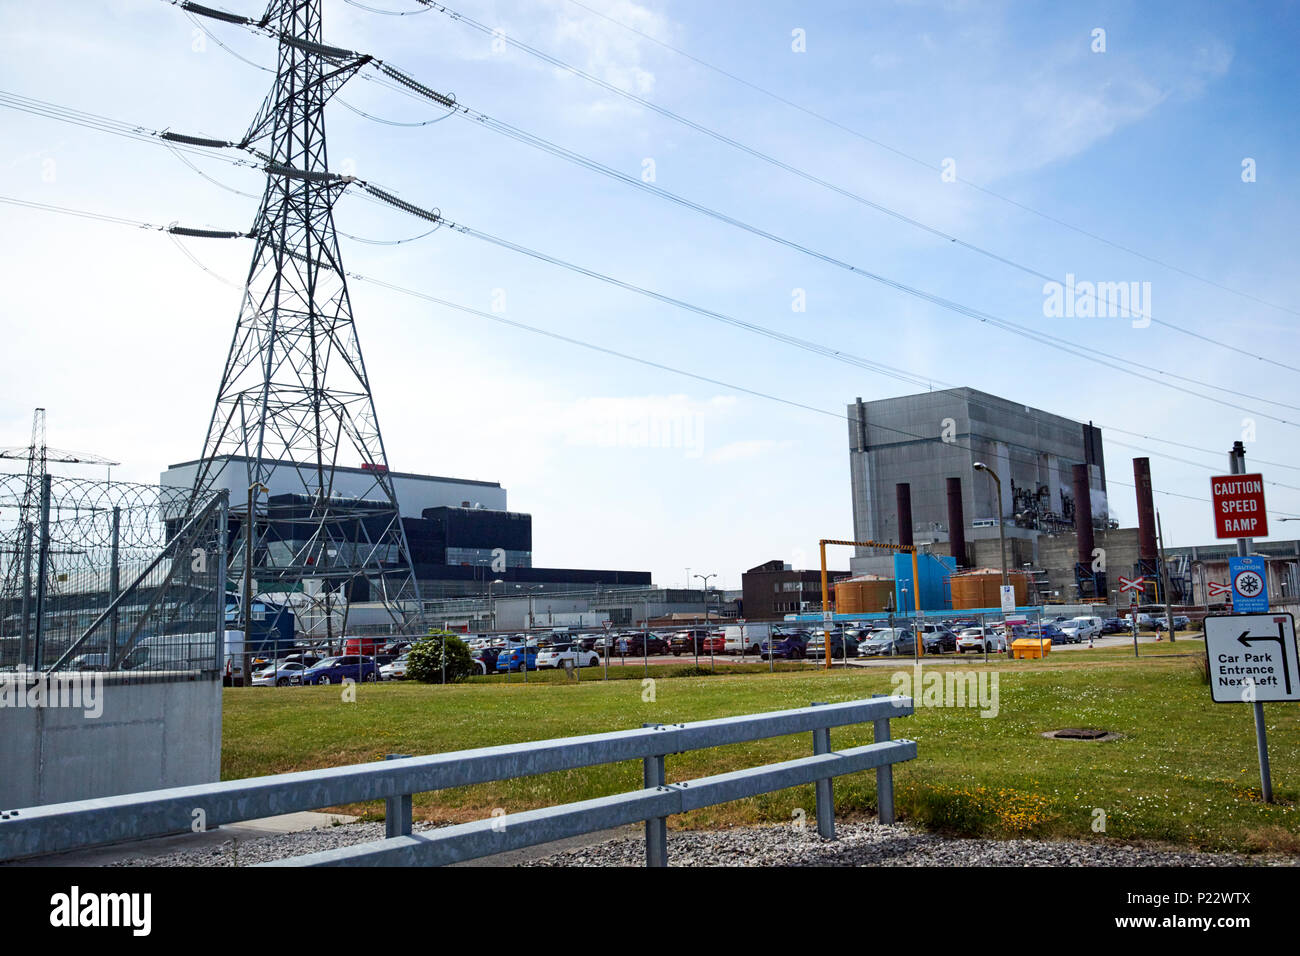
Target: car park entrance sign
(1239, 506)
(1253, 657)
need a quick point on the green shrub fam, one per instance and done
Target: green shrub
(424, 661)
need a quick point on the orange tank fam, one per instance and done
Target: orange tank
(863, 595)
(977, 589)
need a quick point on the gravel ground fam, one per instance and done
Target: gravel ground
(871, 844)
(859, 844)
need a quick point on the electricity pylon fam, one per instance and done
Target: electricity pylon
(295, 400)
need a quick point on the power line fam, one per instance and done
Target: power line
(952, 240)
(539, 142)
(931, 166)
(500, 319)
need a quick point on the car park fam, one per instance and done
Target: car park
(335, 670)
(1181, 623)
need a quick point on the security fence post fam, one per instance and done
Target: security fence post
(825, 795)
(884, 776)
(397, 810)
(656, 828)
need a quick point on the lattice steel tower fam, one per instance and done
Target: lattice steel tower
(295, 399)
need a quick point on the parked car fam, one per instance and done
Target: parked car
(980, 640)
(278, 674)
(89, 662)
(890, 641)
(1114, 625)
(687, 642)
(1082, 628)
(940, 640)
(556, 655)
(1181, 623)
(485, 659)
(335, 670)
(1051, 632)
(641, 643)
(816, 646)
(715, 643)
(513, 659)
(789, 646)
(394, 669)
(745, 638)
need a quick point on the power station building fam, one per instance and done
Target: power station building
(461, 535)
(912, 466)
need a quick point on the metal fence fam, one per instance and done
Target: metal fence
(110, 576)
(67, 826)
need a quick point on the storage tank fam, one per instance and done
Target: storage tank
(865, 595)
(982, 588)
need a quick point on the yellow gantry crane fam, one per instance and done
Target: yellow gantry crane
(916, 585)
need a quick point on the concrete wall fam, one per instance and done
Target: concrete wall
(148, 736)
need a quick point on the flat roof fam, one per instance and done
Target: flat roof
(356, 471)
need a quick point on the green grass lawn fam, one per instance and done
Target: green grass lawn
(1184, 769)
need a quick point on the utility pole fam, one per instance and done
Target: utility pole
(1237, 464)
(295, 396)
(704, 597)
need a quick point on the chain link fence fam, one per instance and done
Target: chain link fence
(111, 576)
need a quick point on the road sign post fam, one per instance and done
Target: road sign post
(1238, 509)
(1134, 586)
(1253, 659)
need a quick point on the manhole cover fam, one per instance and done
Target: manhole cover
(1081, 733)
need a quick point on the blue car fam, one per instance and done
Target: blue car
(512, 659)
(335, 670)
(785, 647)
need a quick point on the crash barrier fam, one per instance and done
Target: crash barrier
(67, 826)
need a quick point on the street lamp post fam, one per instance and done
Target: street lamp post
(492, 598)
(530, 589)
(704, 596)
(1002, 531)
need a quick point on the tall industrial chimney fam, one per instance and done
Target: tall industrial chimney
(1146, 511)
(956, 523)
(904, 513)
(1083, 513)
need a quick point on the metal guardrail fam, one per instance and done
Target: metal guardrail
(66, 826)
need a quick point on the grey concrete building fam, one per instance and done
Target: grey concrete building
(924, 439)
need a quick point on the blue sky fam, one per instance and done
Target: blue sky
(122, 338)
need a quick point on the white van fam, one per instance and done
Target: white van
(1082, 628)
(745, 638)
(192, 651)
